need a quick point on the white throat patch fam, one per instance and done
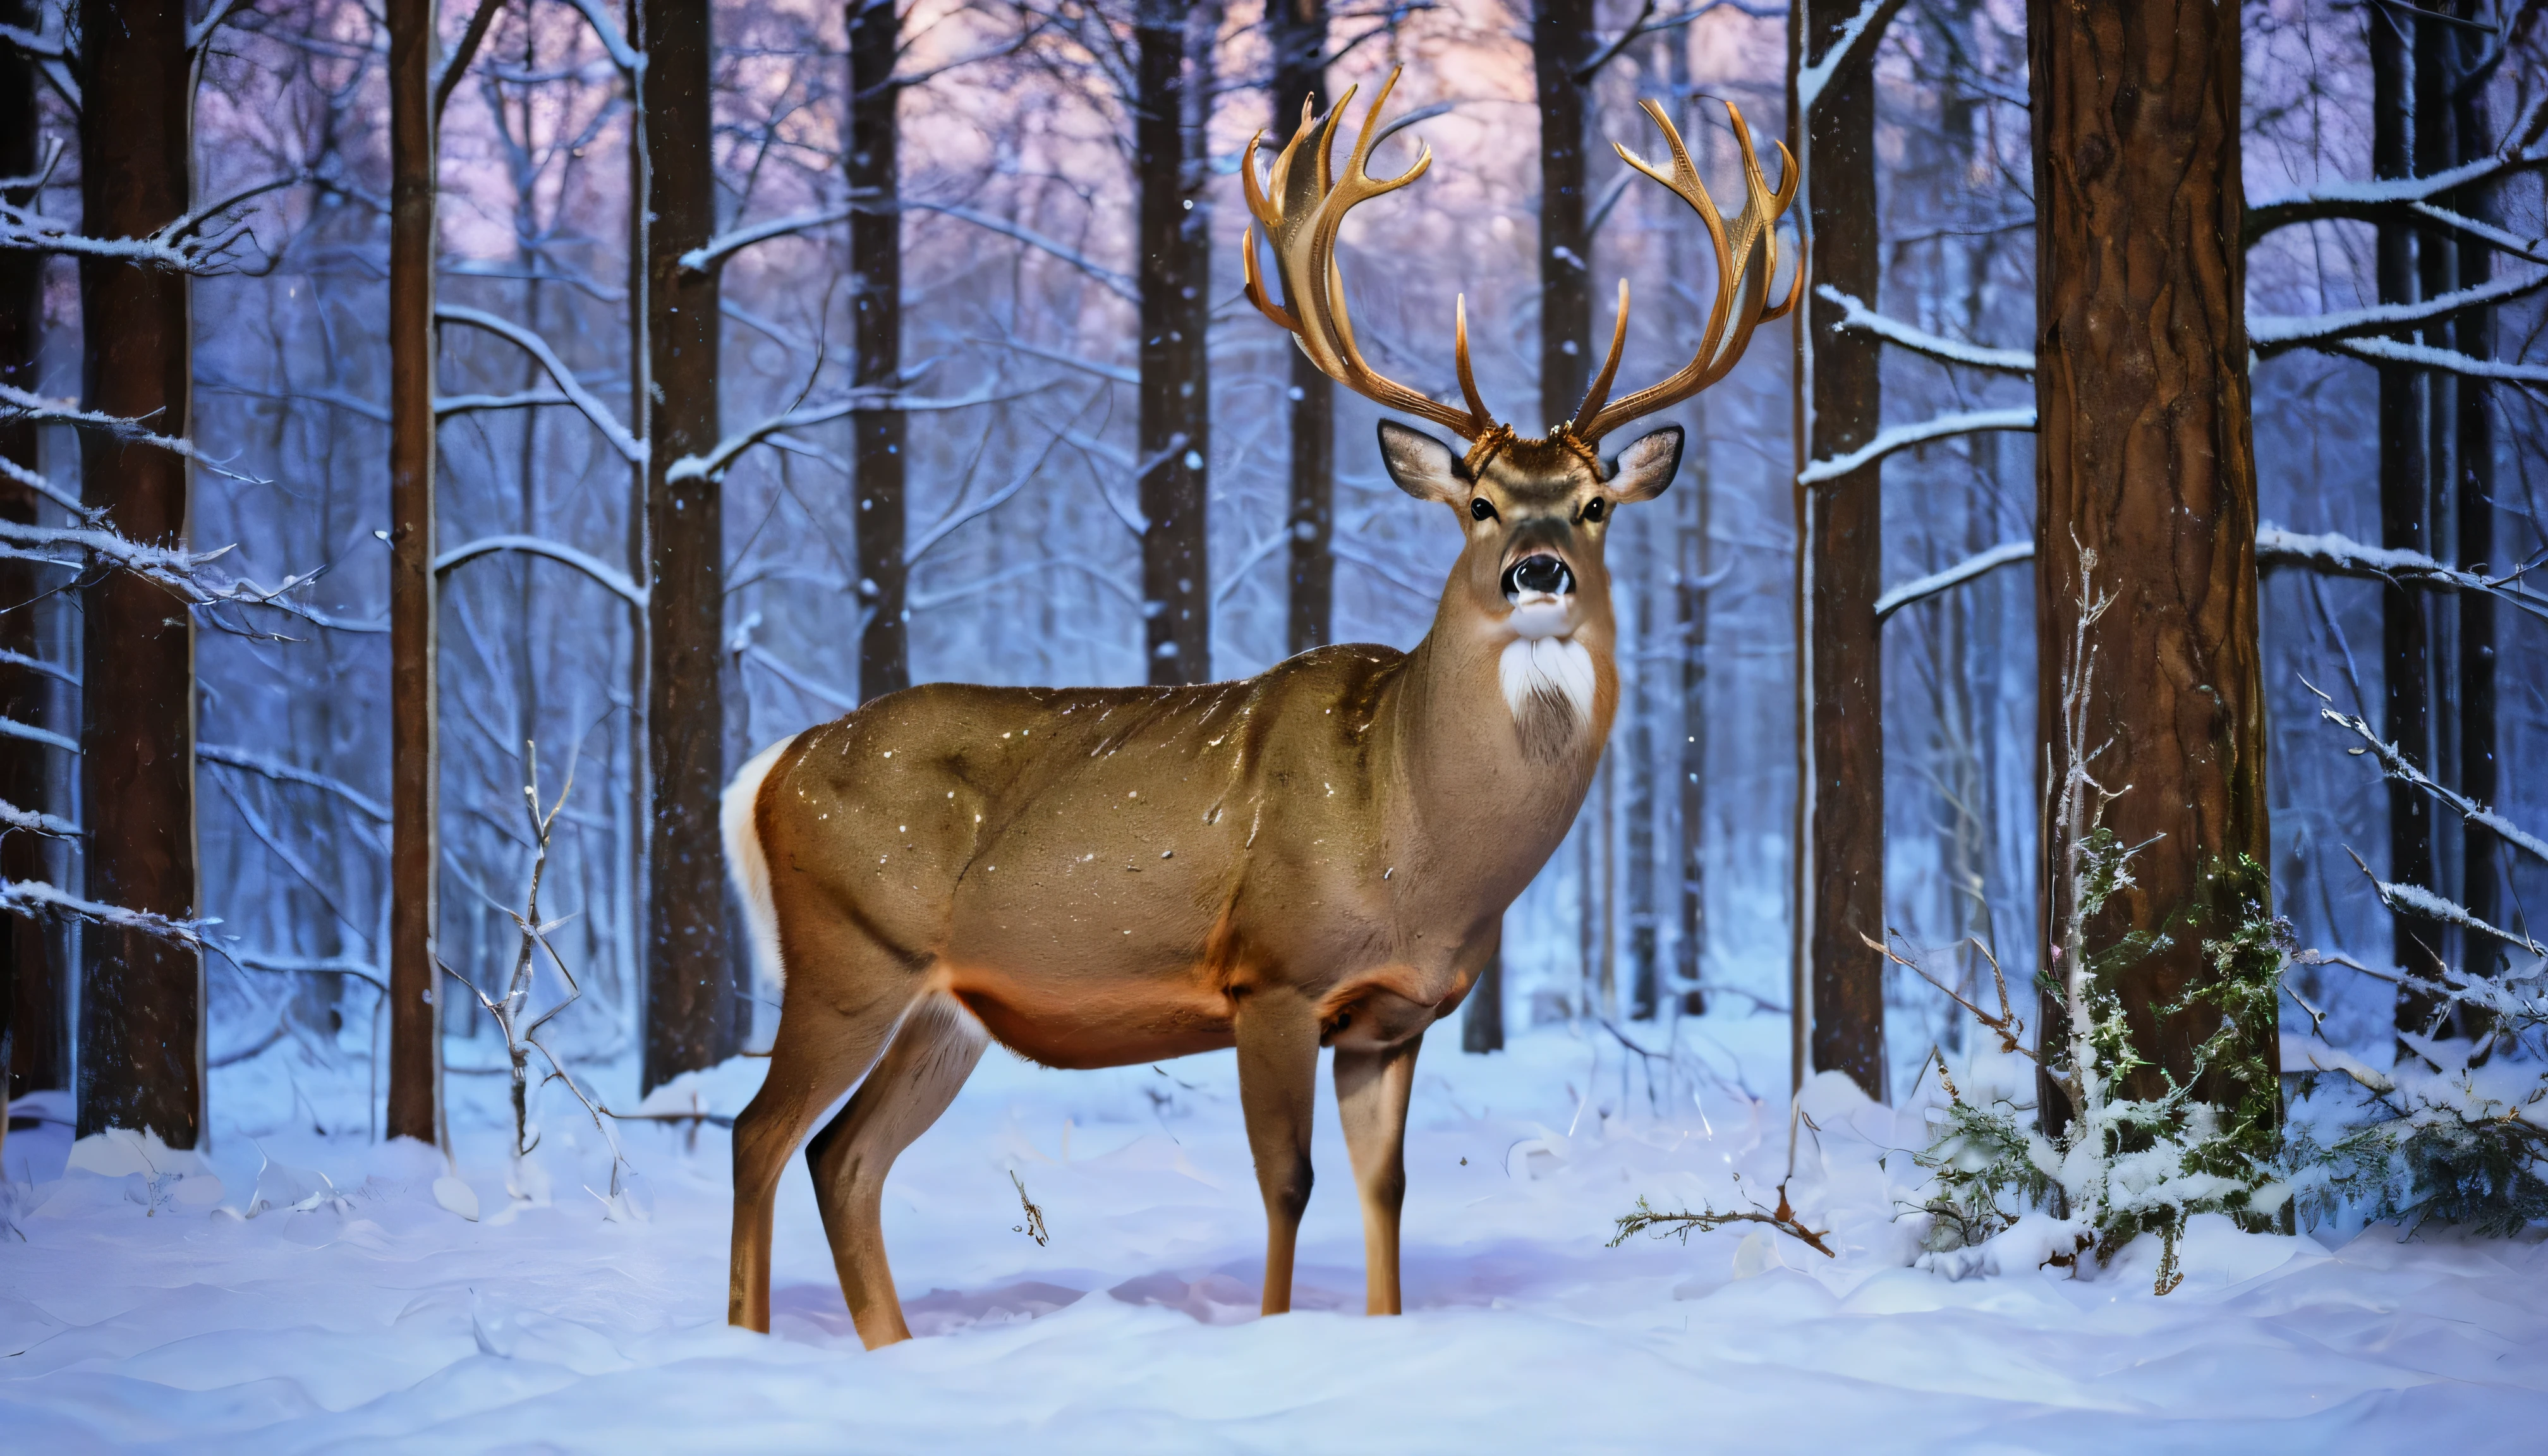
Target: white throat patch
(1553, 670)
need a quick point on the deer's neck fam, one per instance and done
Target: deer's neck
(1494, 775)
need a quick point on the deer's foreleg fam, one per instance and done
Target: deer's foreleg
(1372, 1091)
(1277, 1030)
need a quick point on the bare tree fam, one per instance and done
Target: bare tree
(689, 969)
(880, 440)
(1839, 553)
(34, 1039)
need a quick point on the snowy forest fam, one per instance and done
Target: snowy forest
(2042, 956)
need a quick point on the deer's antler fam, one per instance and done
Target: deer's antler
(1742, 288)
(1302, 204)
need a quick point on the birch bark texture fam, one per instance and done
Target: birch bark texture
(689, 968)
(2145, 472)
(1840, 550)
(141, 997)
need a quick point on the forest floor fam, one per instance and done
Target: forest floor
(355, 1311)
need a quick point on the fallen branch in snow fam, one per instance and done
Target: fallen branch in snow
(1903, 436)
(1783, 1219)
(1858, 316)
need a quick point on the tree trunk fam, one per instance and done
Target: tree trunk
(875, 286)
(689, 974)
(1693, 860)
(415, 1022)
(142, 999)
(1298, 31)
(1560, 34)
(2405, 631)
(34, 1028)
(2145, 472)
(1840, 551)
(1175, 65)
(2474, 504)
(1482, 1020)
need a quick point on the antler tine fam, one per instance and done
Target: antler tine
(1742, 290)
(1302, 216)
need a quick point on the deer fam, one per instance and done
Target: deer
(1318, 857)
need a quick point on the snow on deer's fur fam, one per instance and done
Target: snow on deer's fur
(1319, 856)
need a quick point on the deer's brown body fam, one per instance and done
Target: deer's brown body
(1318, 856)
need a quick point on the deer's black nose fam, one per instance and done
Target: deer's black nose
(1539, 573)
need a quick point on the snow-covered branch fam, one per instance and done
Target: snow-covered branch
(961, 512)
(2342, 556)
(184, 573)
(2418, 902)
(1904, 436)
(447, 404)
(34, 408)
(1922, 587)
(2448, 361)
(1865, 27)
(629, 445)
(34, 898)
(2395, 766)
(2273, 333)
(12, 728)
(198, 32)
(2387, 199)
(184, 246)
(725, 244)
(611, 578)
(1858, 317)
(34, 822)
(630, 60)
(1119, 283)
(714, 464)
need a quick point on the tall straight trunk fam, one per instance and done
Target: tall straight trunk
(638, 793)
(875, 287)
(1560, 39)
(35, 1025)
(2405, 628)
(1175, 77)
(416, 1021)
(2145, 460)
(1695, 560)
(2437, 271)
(1298, 31)
(2473, 491)
(690, 972)
(1645, 933)
(141, 997)
(1840, 555)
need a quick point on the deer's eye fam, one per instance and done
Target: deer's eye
(1480, 510)
(1594, 508)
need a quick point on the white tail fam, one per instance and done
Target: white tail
(749, 866)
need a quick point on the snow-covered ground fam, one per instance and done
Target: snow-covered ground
(356, 1311)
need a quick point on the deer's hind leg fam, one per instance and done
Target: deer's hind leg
(930, 1056)
(840, 1006)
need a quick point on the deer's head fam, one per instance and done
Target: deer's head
(1534, 511)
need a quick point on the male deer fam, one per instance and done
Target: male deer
(1319, 856)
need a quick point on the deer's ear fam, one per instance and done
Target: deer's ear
(1422, 465)
(1642, 470)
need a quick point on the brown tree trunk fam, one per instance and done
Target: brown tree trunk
(1840, 550)
(2404, 524)
(34, 1028)
(1298, 31)
(2144, 465)
(875, 285)
(416, 1021)
(1175, 79)
(690, 972)
(1560, 40)
(141, 997)
(2474, 504)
